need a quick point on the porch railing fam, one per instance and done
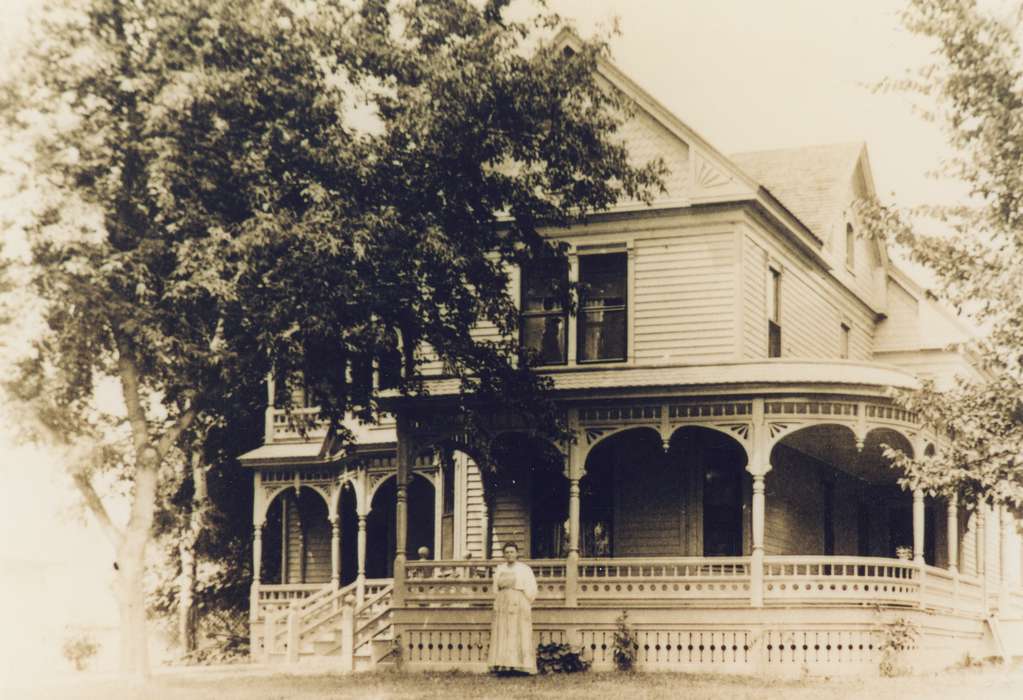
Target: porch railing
(274, 598)
(787, 580)
(682, 578)
(826, 579)
(468, 582)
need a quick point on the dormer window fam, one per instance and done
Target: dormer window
(850, 247)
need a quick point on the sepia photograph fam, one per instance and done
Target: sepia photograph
(499, 349)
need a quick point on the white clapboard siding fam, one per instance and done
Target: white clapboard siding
(510, 516)
(475, 511)
(754, 300)
(901, 329)
(793, 513)
(648, 512)
(813, 305)
(684, 297)
(308, 538)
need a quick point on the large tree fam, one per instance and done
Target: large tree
(973, 89)
(235, 185)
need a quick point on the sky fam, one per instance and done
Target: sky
(746, 75)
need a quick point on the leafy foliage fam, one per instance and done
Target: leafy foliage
(974, 90)
(899, 636)
(560, 658)
(625, 644)
(78, 648)
(337, 188)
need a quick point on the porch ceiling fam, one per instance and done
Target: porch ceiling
(835, 445)
(771, 374)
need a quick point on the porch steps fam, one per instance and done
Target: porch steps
(323, 638)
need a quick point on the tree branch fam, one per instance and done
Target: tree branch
(170, 437)
(95, 505)
(129, 376)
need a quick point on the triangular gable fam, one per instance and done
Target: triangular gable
(699, 173)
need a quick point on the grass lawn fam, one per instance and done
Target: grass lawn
(262, 684)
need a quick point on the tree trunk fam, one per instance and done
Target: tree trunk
(186, 593)
(187, 613)
(129, 588)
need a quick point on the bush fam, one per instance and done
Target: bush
(899, 636)
(78, 649)
(559, 658)
(626, 647)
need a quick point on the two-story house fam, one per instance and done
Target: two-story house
(728, 380)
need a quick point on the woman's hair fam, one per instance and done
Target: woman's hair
(512, 545)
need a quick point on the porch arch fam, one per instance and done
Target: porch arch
(261, 510)
(828, 493)
(527, 495)
(381, 523)
(640, 499)
(297, 537)
(348, 481)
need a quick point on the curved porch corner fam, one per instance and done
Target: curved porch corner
(747, 532)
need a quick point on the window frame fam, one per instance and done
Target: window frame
(773, 301)
(623, 307)
(561, 311)
(845, 340)
(850, 247)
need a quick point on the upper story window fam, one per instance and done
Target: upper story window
(850, 246)
(843, 348)
(774, 314)
(603, 280)
(544, 326)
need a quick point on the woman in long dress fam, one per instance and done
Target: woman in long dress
(511, 632)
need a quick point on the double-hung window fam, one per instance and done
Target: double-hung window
(602, 320)
(544, 325)
(774, 313)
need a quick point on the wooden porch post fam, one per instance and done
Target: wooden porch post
(918, 542)
(952, 535)
(981, 556)
(401, 512)
(918, 527)
(757, 551)
(758, 466)
(360, 586)
(257, 552)
(257, 562)
(335, 551)
(572, 562)
(1004, 554)
(438, 508)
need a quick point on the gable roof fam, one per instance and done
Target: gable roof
(811, 181)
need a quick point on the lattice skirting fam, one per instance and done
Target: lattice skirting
(762, 648)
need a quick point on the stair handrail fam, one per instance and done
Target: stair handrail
(322, 600)
(342, 594)
(334, 598)
(372, 617)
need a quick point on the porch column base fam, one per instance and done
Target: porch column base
(572, 580)
(756, 578)
(398, 593)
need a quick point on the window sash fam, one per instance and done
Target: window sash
(773, 339)
(602, 321)
(550, 341)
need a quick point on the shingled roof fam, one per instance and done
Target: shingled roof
(811, 182)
